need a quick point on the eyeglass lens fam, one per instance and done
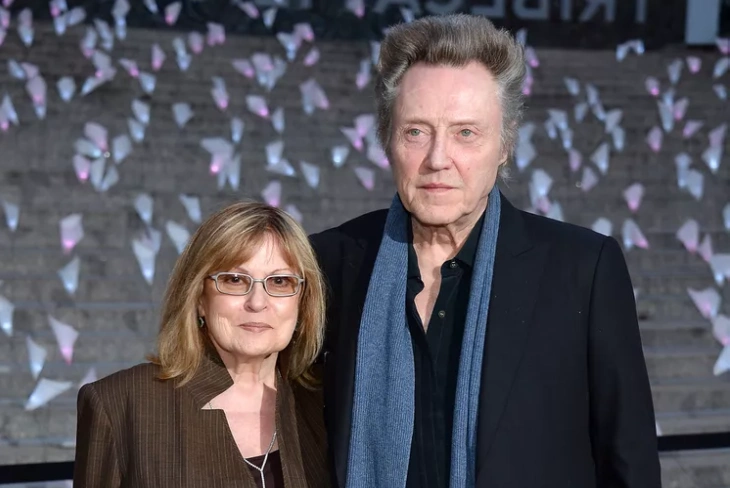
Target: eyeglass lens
(240, 284)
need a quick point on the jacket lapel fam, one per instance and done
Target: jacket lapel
(340, 372)
(208, 446)
(518, 269)
(211, 379)
(292, 464)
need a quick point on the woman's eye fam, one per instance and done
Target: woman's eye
(233, 279)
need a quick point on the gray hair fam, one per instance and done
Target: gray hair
(452, 40)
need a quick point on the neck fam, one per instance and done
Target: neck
(251, 373)
(444, 241)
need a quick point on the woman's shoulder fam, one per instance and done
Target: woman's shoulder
(129, 403)
(140, 379)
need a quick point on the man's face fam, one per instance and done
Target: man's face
(445, 144)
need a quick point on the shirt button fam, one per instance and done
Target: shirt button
(453, 264)
(442, 314)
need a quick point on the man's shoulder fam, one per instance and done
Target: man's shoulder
(366, 227)
(566, 236)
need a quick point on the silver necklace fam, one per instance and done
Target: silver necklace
(266, 455)
(263, 464)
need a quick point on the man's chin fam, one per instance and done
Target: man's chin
(434, 216)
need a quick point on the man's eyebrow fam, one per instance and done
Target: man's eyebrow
(422, 121)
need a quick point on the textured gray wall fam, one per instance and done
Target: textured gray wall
(114, 309)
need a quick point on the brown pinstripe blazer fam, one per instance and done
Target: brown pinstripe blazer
(136, 431)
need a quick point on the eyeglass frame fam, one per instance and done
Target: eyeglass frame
(214, 277)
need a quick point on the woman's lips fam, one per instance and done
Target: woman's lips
(255, 326)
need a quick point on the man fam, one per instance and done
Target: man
(471, 344)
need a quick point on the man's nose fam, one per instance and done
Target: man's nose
(439, 156)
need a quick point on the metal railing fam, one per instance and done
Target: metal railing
(44, 472)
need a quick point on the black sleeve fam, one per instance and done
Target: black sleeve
(623, 429)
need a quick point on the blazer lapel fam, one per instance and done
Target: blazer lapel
(518, 269)
(292, 464)
(208, 444)
(354, 281)
(211, 379)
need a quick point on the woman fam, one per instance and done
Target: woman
(229, 401)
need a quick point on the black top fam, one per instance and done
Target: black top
(436, 355)
(273, 474)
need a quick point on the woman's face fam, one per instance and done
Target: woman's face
(255, 325)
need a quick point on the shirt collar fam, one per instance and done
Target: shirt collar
(466, 255)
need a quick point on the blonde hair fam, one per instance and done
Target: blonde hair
(452, 40)
(223, 241)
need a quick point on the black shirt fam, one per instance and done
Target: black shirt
(273, 474)
(436, 357)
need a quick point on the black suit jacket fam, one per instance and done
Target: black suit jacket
(565, 399)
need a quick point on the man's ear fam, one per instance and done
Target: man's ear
(504, 157)
(504, 154)
(508, 146)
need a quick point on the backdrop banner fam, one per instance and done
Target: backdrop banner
(593, 24)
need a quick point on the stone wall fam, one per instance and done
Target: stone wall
(115, 310)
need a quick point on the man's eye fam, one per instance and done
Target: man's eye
(414, 132)
(466, 132)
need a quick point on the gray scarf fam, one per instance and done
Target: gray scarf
(383, 404)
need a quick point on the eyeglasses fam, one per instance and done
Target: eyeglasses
(238, 284)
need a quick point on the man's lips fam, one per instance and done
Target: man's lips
(436, 186)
